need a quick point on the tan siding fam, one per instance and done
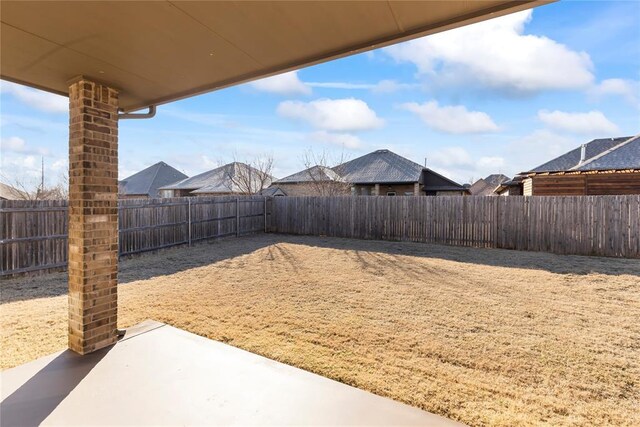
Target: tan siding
(527, 187)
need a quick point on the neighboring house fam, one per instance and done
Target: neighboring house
(8, 192)
(512, 187)
(600, 167)
(486, 186)
(314, 181)
(232, 178)
(383, 172)
(146, 183)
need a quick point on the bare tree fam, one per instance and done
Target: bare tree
(323, 179)
(24, 189)
(251, 177)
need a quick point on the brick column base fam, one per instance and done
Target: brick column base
(93, 216)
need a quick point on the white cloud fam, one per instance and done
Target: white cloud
(536, 148)
(629, 90)
(456, 163)
(452, 119)
(283, 84)
(16, 144)
(497, 54)
(43, 101)
(341, 115)
(60, 165)
(383, 86)
(491, 162)
(591, 123)
(342, 85)
(346, 140)
(20, 168)
(390, 86)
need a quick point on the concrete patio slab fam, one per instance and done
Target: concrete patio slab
(160, 375)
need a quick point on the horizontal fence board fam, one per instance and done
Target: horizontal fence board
(33, 234)
(578, 225)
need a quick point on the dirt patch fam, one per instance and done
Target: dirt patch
(487, 337)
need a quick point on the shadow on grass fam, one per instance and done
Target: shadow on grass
(553, 263)
(140, 267)
(183, 258)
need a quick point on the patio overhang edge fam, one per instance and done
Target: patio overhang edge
(370, 44)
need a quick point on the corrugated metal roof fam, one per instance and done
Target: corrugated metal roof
(381, 166)
(571, 159)
(149, 180)
(218, 180)
(312, 174)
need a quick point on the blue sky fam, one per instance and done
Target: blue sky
(500, 96)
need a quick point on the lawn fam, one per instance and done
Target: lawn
(487, 337)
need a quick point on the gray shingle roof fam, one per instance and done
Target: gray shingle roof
(273, 191)
(218, 180)
(381, 166)
(496, 179)
(10, 193)
(312, 174)
(149, 180)
(571, 159)
(625, 155)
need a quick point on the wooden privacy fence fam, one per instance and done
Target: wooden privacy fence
(580, 225)
(33, 234)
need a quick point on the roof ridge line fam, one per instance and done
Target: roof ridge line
(604, 153)
(154, 176)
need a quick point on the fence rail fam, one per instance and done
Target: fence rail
(580, 225)
(33, 234)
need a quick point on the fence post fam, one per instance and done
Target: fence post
(189, 215)
(237, 217)
(265, 214)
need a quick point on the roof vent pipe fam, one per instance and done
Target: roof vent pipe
(583, 153)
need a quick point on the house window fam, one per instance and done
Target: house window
(408, 193)
(391, 193)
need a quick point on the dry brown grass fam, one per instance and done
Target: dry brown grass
(488, 337)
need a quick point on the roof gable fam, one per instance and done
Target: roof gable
(218, 180)
(149, 180)
(312, 174)
(380, 166)
(479, 187)
(496, 179)
(433, 181)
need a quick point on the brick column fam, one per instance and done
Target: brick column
(93, 215)
(376, 190)
(416, 189)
